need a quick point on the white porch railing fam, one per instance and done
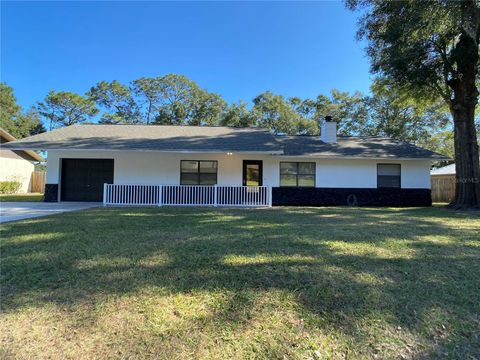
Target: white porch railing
(187, 195)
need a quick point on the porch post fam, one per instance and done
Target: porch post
(160, 195)
(269, 196)
(215, 203)
(104, 194)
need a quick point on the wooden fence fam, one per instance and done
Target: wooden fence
(443, 188)
(38, 182)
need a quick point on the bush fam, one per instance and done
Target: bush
(9, 187)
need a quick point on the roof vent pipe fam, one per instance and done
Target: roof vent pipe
(328, 130)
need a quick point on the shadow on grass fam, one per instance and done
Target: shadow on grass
(342, 265)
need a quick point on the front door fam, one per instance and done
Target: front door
(252, 172)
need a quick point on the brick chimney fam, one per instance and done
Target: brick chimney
(328, 130)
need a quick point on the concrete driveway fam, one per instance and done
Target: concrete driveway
(13, 211)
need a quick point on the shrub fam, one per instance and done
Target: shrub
(9, 187)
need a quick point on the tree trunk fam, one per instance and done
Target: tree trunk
(462, 107)
(467, 194)
(148, 112)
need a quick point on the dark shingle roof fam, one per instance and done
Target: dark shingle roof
(354, 147)
(216, 139)
(153, 138)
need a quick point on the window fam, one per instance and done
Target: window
(297, 174)
(388, 176)
(193, 172)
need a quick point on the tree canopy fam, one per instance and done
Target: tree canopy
(238, 115)
(65, 108)
(117, 101)
(176, 100)
(397, 115)
(17, 122)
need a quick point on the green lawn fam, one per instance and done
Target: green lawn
(21, 197)
(280, 283)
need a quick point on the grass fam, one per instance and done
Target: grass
(21, 197)
(178, 283)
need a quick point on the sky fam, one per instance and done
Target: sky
(237, 50)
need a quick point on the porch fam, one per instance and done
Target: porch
(187, 195)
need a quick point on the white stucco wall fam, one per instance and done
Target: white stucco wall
(160, 168)
(337, 173)
(132, 167)
(17, 169)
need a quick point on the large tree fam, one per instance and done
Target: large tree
(27, 123)
(440, 142)
(66, 108)
(398, 115)
(178, 95)
(238, 115)
(431, 48)
(176, 100)
(18, 123)
(349, 110)
(8, 103)
(276, 113)
(148, 91)
(118, 102)
(207, 108)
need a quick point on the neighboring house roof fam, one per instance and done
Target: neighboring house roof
(6, 137)
(217, 139)
(354, 147)
(446, 170)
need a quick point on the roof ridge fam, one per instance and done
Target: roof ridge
(172, 125)
(345, 137)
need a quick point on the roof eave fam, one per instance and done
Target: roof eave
(32, 154)
(343, 157)
(199, 151)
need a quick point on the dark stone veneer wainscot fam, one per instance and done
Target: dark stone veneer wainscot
(290, 196)
(51, 193)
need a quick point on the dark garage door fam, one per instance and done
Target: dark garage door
(83, 179)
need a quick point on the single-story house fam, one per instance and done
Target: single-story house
(17, 165)
(191, 165)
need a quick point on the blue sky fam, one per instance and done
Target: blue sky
(235, 49)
